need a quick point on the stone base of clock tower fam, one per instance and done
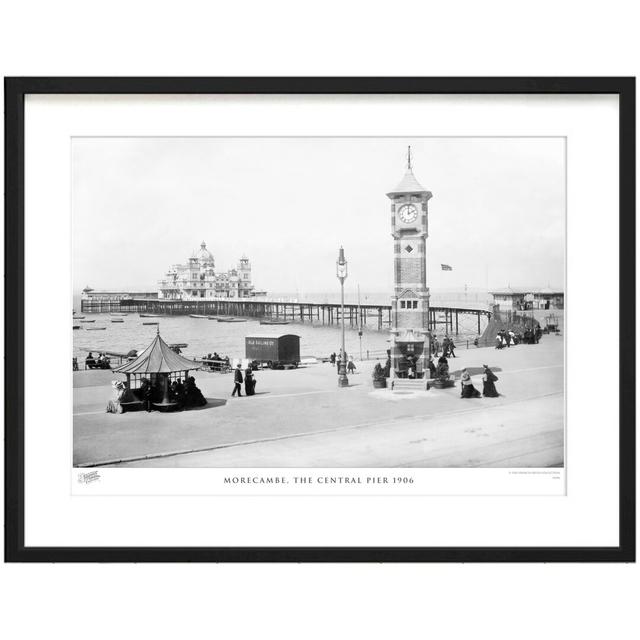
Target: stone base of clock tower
(410, 351)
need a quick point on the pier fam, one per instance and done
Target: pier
(371, 316)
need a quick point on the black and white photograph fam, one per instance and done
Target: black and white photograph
(318, 302)
(320, 320)
(298, 326)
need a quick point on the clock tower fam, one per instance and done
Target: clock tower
(410, 301)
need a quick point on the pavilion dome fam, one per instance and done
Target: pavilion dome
(203, 255)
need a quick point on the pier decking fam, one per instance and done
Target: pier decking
(371, 316)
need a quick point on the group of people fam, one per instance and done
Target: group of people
(532, 336)
(488, 384)
(440, 372)
(183, 395)
(380, 372)
(507, 337)
(467, 390)
(101, 362)
(448, 347)
(215, 356)
(249, 382)
(336, 360)
(216, 362)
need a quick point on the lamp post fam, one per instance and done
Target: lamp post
(360, 323)
(341, 273)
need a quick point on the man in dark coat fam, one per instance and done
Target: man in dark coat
(146, 393)
(237, 382)
(180, 393)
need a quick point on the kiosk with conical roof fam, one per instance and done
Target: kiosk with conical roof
(160, 364)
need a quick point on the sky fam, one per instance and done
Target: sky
(497, 214)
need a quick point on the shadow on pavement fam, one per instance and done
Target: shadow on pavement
(212, 403)
(474, 371)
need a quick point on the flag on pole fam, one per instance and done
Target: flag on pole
(446, 267)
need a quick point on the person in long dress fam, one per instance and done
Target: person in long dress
(113, 405)
(467, 388)
(121, 394)
(488, 387)
(249, 382)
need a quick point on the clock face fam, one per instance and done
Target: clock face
(408, 213)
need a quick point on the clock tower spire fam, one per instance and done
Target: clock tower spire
(410, 301)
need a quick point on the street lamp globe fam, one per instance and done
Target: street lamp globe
(341, 266)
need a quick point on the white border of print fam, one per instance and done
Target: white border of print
(586, 516)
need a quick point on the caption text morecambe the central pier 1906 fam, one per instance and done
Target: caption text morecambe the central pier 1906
(354, 479)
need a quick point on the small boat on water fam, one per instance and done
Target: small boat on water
(96, 328)
(87, 320)
(232, 319)
(274, 322)
(150, 315)
(195, 315)
(150, 323)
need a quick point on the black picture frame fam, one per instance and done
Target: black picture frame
(15, 91)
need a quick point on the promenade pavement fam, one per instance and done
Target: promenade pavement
(301, 418)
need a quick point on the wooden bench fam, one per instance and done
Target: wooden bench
(128, 406)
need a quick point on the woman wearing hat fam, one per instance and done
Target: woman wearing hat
(249, 382)
(488, 387)
(468, 390)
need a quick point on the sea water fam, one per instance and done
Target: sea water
(205, 336)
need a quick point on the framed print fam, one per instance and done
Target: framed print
(320, 319)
